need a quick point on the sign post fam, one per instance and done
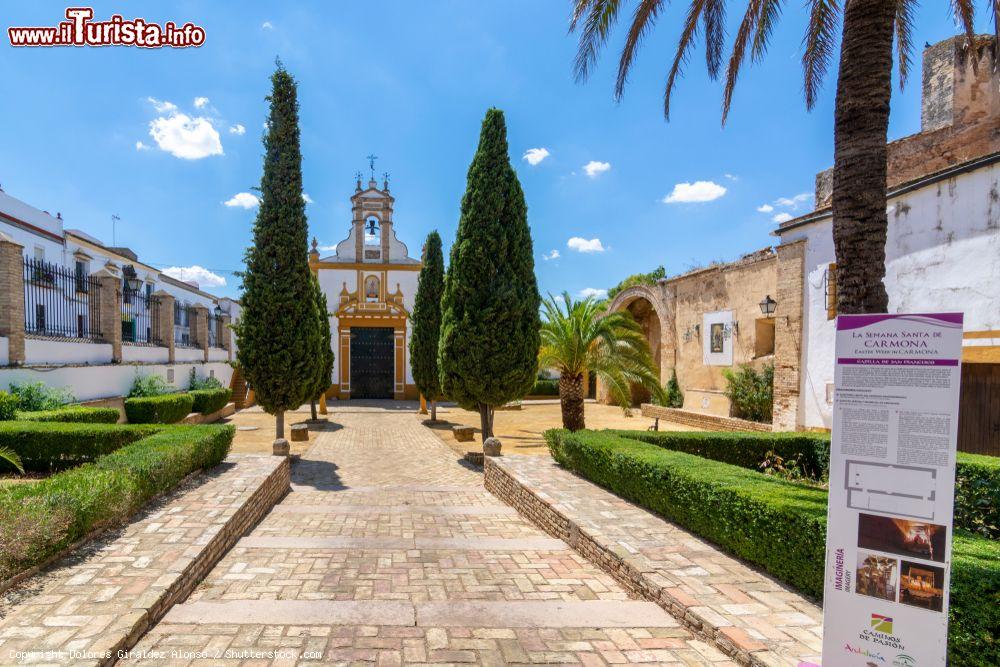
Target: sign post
(892, 487)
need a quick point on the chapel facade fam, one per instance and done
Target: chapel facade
(370, 283)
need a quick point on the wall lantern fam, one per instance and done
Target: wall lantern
(767, 306)
(132, 281)
(218, 311)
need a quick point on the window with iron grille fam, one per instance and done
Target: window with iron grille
(55, 305)
(182, 324)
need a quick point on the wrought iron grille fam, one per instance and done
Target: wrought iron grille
(182, 325)
(60, 302)
(140, 317)
(214, 331)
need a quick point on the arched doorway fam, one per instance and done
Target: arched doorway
(647, 307)
(642, 311)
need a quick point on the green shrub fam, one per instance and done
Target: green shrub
(745, 449)
(54, 446)
(76, 413)
(197, 383)
(166, 409)
(977, 494)
(8, 406)
(545, 387)
(145, 386)
(207, 401)
(35, 396)
(673, 397)
(778, 525)
(40, 519)
(751, 393)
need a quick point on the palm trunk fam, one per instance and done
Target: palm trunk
(861, 121)
(571, 401)
(485, 421)
(279, 425)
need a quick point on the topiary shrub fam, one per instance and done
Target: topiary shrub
(207, 401)
(8, 406)
(55, 446)
(751, 393)
(545, 387)
(167, 409)
(72, 414)
(977, 494)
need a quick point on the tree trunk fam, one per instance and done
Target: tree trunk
(434, 412)
(485, 421)
(861, 121)
(312, 407)
(571, 401)
(279, 425)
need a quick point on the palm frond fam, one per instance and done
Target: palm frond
(821, 35)
(904, 42)
(739, 51)
(601, 16)
(714, 21)
(965, 13)
(642, 22)
(687, 41)
(11, 457)
(770, 12)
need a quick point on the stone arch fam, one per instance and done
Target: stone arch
(648, 304)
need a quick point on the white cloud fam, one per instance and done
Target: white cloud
(782, 217)
(245, 200)
(732, 177)
(198, 274)
(793, 202)
(694, 193)
(535, 155)
(266, 25)
(595, 168)
(765, 208)
(551, 255)
(583, 245)
(185, 137)
(162, 107)
(328, 248)
(139, 146)
(200, 102)
(594, 292)
(306, 198)
(237, 129)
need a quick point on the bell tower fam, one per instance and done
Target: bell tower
(371, 219)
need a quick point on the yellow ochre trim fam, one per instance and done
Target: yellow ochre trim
(363, 266)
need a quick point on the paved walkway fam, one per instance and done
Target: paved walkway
(389, 550)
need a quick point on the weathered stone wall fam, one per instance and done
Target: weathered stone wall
(788, 335)
(702, 421)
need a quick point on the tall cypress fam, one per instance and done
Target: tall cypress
(324, 350)
(427, 323)
(489, 311)
(278, 330)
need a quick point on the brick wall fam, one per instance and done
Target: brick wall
(788, 335)
(12, 299)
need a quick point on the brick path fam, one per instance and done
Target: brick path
(747, 614)
(389, 550)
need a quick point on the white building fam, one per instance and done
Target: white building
(370, 283)
(943, 246)
(62, 284)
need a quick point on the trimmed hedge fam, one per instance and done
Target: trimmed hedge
(545, 387)
(38, 520)
(207, 401)
(45, 446)
(744, 449)
(778, 525)
(977, 494)
(8, 406)
(76, 414)
(165, 409)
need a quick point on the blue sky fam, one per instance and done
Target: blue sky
(410, 81)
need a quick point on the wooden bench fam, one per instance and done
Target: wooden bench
(300, 432)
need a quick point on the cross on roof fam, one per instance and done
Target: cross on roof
(371, 163)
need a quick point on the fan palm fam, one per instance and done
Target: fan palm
(10, 456)
(578, 336)
(861, 116)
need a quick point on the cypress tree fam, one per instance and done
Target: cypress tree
(489, 311)
(324, 351)
(278, 332)
(427, 323)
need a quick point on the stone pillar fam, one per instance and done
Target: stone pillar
(165, 322)
(12, 298)
(226, 334)
(199, 327)
(109, 310)
(788, 334)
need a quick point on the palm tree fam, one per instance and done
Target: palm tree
(578, 336)
(10, 456)
(861, 116)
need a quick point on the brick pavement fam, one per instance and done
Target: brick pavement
(388, 550)
(745, 613)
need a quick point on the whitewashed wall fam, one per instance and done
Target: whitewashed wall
(188, 354)
(42, 351)
(942, 254)
(93, 382)
(145, 354)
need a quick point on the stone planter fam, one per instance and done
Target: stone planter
(491, 447)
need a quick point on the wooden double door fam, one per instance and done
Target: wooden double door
(372, 362)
